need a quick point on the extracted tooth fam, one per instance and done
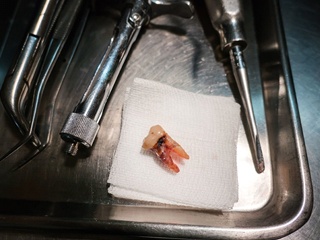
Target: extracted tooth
(164, 147)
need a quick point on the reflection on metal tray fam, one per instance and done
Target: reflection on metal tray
(63, 192)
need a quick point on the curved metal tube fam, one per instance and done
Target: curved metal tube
(16, 91)
(15, 88)
(17, 85)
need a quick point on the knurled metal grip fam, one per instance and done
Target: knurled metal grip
(81, 128)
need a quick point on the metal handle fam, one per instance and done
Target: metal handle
(82, 125)
(226, 17)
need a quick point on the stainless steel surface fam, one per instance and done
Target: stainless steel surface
(303, 39)
(62, 193)
(227, 18)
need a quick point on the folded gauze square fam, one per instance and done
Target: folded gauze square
(207, 129)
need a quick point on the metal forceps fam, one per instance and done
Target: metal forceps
(23, 88)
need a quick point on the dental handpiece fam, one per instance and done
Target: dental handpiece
(82, 125)
(226, 17)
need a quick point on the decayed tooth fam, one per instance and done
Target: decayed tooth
(164, 146)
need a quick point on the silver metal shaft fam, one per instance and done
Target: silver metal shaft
(226, 17)
(241, 76)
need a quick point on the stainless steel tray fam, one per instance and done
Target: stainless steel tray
(55, 191)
